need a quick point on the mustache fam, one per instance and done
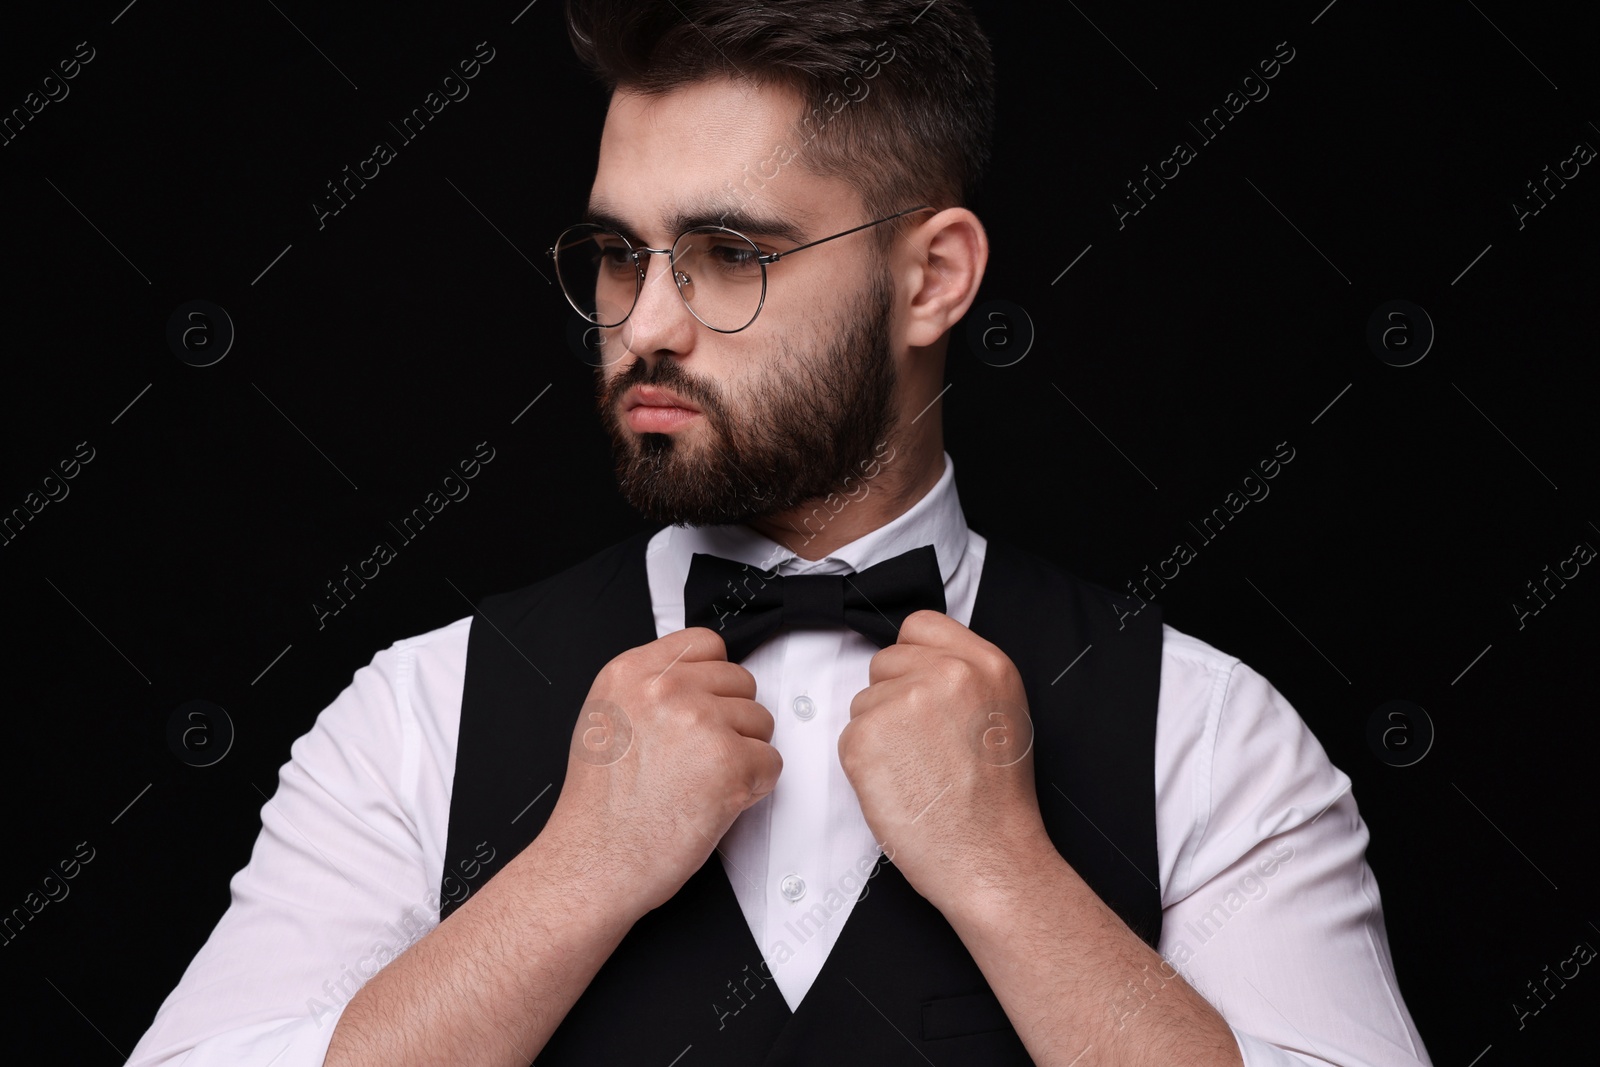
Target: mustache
(667, 374)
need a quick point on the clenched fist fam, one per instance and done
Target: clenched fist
(670, 747)
(939, 751)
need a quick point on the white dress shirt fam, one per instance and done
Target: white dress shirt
(1268, 906)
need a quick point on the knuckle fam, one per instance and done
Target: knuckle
(960, 671)
(706, 640)
(993, 661)
(681, 715)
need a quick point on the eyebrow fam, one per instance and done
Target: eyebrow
(752, 223)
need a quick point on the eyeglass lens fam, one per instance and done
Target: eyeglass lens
(717, 271)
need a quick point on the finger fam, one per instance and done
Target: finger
(893, 661)
(713, 677)
(863, 701)
(745, 717)
(877, 695)
(929, 627)
(898, 693)
(762, 765)
(695, 643)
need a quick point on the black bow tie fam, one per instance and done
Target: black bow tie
(746, 606)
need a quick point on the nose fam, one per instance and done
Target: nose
(661, 323)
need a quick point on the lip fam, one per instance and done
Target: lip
(648, 409)
(650, 396)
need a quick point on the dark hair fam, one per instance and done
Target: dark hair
(899, 93)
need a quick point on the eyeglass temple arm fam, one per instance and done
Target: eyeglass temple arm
(773, 257)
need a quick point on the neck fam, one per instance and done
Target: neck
(890, 484)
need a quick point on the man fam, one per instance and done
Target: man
(959, 812)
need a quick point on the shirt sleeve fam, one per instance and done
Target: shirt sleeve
(1269, 908)
(344, 875)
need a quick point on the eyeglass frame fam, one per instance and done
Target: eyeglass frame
(762, 258)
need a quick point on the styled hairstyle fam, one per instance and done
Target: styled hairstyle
(899, 94)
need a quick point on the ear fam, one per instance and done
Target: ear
(942, 263)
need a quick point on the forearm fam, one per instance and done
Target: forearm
(490, 984)
(1079, 986)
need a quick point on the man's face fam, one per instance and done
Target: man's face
(717, 428)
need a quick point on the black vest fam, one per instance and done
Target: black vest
(898, 987)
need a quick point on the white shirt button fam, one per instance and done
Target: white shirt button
(804, 707)
(793, 887)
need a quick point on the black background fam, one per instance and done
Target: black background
(1227, 316)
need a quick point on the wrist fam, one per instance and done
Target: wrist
(595, 887)
(1002, 880)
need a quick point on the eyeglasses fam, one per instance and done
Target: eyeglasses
(720, 273)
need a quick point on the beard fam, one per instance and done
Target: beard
(794, 435)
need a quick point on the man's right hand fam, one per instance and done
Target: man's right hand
(670, 747)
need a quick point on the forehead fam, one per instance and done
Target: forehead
(710, 147)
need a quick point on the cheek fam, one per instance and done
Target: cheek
(605, 387)
(739, 396)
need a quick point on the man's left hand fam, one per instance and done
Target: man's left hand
(939, 748)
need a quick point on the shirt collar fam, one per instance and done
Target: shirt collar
(936, 519)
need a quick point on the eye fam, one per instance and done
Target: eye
(734, 255)
(613, 255)
(714, 252)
